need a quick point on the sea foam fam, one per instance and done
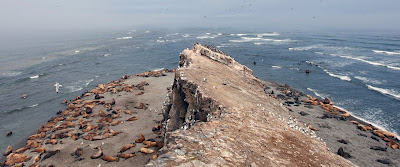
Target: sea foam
(390, 92)
(386, 52)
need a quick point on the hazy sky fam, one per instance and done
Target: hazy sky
(274, 15)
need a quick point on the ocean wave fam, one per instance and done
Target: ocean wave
(34, 77)
(317, 93)
(367, 61)
(379, 119)
(219, 34)
(369, 80)
(307, 47)
(147, 32)
(276, 66)
(12, 74)
(386, 52)
(31, 106)
(185, 35)
(207, 36)
(105, 55)
(130, 37)
(241, 35)
(341, 77)
(79, 85)
(267, 34)
(223, 45)
(160, 41)
(261, 41)
(76, 51)
(390, 92)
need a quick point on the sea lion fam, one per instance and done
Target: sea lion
(126, 156)
(37, 158)
(24, 96)
(155, 155)
(116, 122)
(77, 153)
(21, 150)
(140, 93)
(9, 133)
(141, 139)
(312, 128)
(354, 122)
(39, 150)
(50, 154)
(146, 150)
(150, 144)
(98, 154)
(52, 141)
(127, 112)
(16, 158)
(133, 118)
(126, 147)
(8, 151)
(109, 158)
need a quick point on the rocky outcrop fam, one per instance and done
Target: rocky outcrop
(218, 114)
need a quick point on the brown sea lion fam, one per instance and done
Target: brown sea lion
(126, 147)
(98, 154)
(9, 133)
(312, 128)
(150, 144)
(39, 150)
(141, 139)
(146, 150)
(37, 158)
(52, 141)
(127, 112)
(126, 156)
(78, 152)
(109, 158)
(8, 151)
(116, 122)
(21, 150)
(50, 154)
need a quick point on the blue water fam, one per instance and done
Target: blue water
(360, 72)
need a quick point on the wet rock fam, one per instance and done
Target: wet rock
(327, 101)
(376, 139)
(385, 161)
(343, 141)
(342, 153)
(360, 134)
(378, 148)
(302, 113)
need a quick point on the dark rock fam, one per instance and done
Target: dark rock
(342, 153)
(281, 97)
(360, 134)
(376, 139)
(272, 92)
(343, 141)
(9, 133)
(324, 125)
(385, 161)
(302, 113)
(378, 148)
(327, 101)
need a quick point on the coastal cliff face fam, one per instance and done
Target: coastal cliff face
(218, 114)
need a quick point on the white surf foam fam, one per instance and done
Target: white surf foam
(342, 77)
(307, 47)
(34, 77)
(207, 37)
(367, 61)
(130, 37)
(105, 55)
(390, 92)
(31, 106)
(12, 74)
(276, 66)
(79, 85)
(147, 32)
(317, 94)
(267, 34)
(157, 69)
(369, 80)
(261, 41)
(160, 41)
(185, 35)
(219, 34)
(241, 35)
(386, 52)
(76, 51)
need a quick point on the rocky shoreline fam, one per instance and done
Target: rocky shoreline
(214, 113)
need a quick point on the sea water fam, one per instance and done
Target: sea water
(359, 72)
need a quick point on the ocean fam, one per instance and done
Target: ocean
(359, 72)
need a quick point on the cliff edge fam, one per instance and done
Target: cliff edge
(219, 115)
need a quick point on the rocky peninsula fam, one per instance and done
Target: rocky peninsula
(211, 111)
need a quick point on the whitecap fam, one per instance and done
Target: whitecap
(241, 35)
(105, 55)
(276, 66)
(185, 35)
(342, 77)
(147, 32)
(208, 33)
(160, 41)
(367, 61)
(76, 51)
(307, 47)
(207, 37)
(267, 34)
(219, 34)
(79, 85)
(12, 74)
(390, 92)
(34, 77)
(369, 80)
(386, 52)
(157, 69)
(31, 106)
(130, 37)
(317, 93)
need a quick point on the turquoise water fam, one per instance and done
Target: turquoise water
(360, 72)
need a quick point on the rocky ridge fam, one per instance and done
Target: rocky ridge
(218, 114)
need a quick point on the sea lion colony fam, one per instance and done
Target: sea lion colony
(81, 121)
